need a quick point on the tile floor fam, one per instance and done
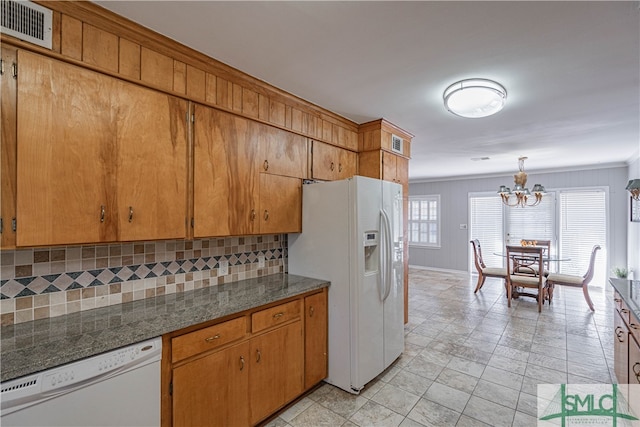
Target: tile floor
(469, 360)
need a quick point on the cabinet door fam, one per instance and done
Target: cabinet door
(152, 164)
(276, 370)
(389, 166)
(226, 181)
(315, 339)
(347, 164)
(283, 153)
(213, 390)
(324, 161)
(634, 375)
(621, 349)
(8, 150)
(66, 156)
(280, 204)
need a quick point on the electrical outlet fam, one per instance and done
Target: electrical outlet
(260, 261)
(223, 267)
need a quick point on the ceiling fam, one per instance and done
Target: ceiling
(571, 70)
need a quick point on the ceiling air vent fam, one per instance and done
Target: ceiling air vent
(396, 144)
(27, 21)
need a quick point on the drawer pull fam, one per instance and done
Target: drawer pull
(102, 213)
(619, 334)
(617, 299)
(266, 215)
(278, 315)
(266, 165)
(636, 371)
(634, 326)
(253, 215)
(332, 167)
(241, 363)
(258, 356)
(130, 213)
(213, 338)
(624, 310)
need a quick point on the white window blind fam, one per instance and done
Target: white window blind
(583, 224)
(424, 220)
(486, 226)
(533, 222)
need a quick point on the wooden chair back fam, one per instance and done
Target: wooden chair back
(477, 255)
(592, 261)
(525, 269)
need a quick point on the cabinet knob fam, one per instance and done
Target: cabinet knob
(130, 213)
(266, 165)
(102, 213)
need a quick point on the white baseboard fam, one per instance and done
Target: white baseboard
(444, 270)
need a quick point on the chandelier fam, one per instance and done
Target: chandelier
(520, 189)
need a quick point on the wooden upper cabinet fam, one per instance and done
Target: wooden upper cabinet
(152, 164)
(8, 107)
(66, 155)
(226, 177)
(283, 153)
(280, 204)
(332, 163)
(91, 153)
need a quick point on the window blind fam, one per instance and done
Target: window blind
(583, 224)
(486, 226)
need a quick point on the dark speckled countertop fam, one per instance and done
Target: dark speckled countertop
(34, 346)
(629, 291)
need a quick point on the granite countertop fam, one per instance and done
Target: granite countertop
(34, 346)
(629, 291)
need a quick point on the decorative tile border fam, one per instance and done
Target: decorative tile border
(47, 282)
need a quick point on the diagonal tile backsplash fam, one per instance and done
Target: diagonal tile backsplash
(46, 282)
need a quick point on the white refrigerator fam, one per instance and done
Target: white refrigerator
(352, 237)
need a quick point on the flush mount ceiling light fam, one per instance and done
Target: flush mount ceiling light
(475, 98)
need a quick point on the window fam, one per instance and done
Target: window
(424, 220)
(573, 219)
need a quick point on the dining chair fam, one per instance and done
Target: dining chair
(525, 269)
(546, 244)
(574, 281)
(483, 270)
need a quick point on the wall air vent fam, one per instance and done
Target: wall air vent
(27, 21)
(396, 144)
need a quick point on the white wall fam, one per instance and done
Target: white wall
(454, 251)
(633, 232)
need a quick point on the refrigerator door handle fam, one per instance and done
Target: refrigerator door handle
(382, 274)
(388, 249)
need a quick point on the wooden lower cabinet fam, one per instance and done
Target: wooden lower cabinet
(276, 370)
(212, 390)
(315, 339)
(621, 349)
(240, 371)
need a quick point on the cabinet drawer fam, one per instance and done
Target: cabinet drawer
(273, 316)
(208, 338)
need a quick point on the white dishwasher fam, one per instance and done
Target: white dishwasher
(118, 388)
